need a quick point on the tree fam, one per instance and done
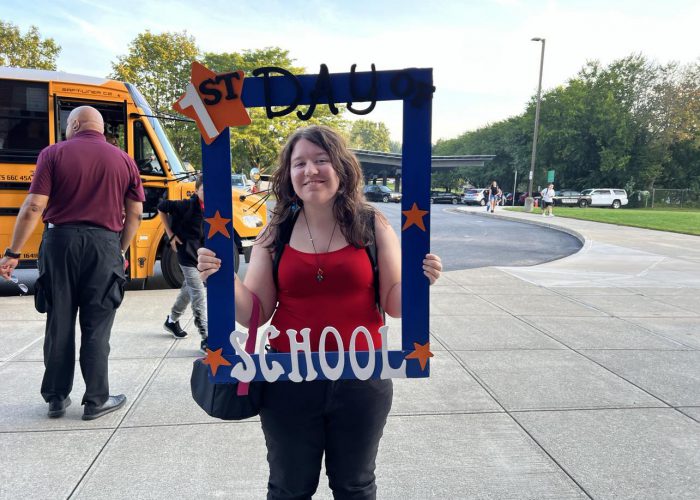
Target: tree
(632, 124)
(28, 50)
(395, 147)
(369, 135)
(159, 65)
(508, 140)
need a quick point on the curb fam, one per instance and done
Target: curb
(566, 230)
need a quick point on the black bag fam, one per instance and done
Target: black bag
(222, 400)
(236, 401)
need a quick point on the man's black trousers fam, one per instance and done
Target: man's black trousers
(80, 271)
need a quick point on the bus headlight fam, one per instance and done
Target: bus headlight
(252, 221)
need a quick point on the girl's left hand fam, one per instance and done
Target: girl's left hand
(432, 267)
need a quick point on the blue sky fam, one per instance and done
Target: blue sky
(485, 65)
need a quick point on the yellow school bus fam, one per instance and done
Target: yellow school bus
(34, 107)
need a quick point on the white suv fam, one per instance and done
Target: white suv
(474, 196)
(614, 198)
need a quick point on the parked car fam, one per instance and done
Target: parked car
(506, 199)
(536, 196)
(378, 192)
(607, 197)
(473, 196)
(444, 197)
(571, 199)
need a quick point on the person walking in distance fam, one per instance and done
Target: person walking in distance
(183, 225)
(311, 268)
(494, 194)
(91, 198)
(548, 195)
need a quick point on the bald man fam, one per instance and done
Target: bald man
(82, 187)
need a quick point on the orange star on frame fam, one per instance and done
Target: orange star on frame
(421, 353)
(217, 224)
(414, 216)
(214, 359)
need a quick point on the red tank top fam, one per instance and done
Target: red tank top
(343, 300)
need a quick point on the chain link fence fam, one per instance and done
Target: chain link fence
(665, 198)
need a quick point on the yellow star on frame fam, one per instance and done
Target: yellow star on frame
(414, 216)
(214, 359)
(421, 353)
(217, 224)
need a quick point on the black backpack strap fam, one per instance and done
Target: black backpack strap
(285, 234)
(372, 254)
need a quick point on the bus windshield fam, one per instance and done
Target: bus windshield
(172, 157)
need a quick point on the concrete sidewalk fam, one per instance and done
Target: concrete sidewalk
(572, 379)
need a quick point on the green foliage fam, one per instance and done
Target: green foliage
(395, 147)
(633, 124)
(509, 141)
(369, 135)
(28, 50)
(159, 66)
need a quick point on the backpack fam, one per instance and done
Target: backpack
(285, 232)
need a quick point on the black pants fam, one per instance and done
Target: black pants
(80, 269)
(344, 418)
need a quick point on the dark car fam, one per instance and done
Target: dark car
(443, 197)
(378, 192)
(536, 196)
(569, 198)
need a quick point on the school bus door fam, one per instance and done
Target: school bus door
(136, 142)
(155, 185)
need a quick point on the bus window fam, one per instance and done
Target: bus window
(144, 153)
(112, 113)
(24, 123)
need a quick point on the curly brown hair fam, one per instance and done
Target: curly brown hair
(354, 215)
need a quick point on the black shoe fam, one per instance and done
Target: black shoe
(174, 328)
(91, 412)
(57, 408)
(203, 346)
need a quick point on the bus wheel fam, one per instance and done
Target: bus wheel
(170, 268)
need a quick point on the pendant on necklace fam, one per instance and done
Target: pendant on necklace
(319, 275)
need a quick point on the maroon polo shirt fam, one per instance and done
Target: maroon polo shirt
(86, 180)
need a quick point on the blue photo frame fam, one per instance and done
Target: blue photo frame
(273, 88)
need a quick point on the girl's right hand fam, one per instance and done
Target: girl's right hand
(207, 263)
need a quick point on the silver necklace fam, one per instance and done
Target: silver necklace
(319, 271)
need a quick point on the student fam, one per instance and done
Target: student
(548, 195)
(494, 194)
(324, 278)
(184, 230)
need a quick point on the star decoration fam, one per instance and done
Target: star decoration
(214, 359)
(213, 101)
(421, 353)
(414, 216)
(217, 224)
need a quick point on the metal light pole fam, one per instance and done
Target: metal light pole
(529, 200)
